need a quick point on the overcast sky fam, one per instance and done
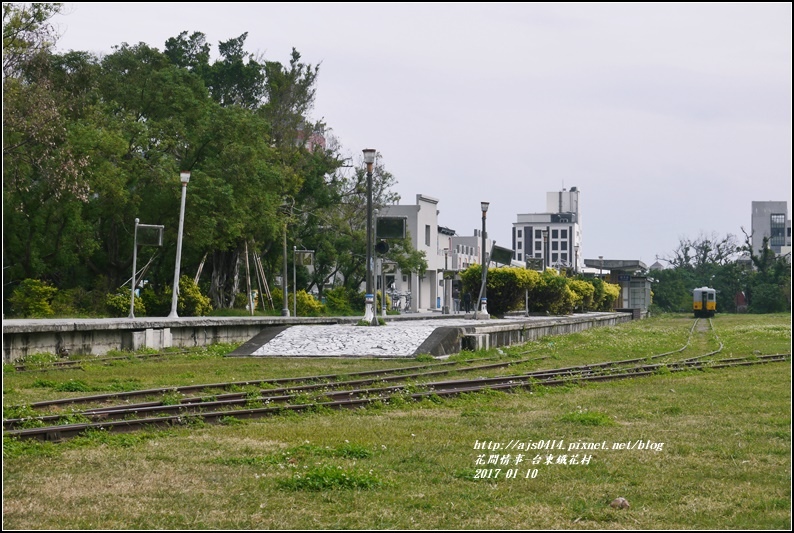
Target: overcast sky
(669, 118)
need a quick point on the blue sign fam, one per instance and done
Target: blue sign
(624, 277)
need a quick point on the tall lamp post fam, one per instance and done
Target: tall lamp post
(284, 288)
(445, 307)
(483, 297)
(184, 177)
(545, 249)
(134, 266)
(576, 259)
(369, 299)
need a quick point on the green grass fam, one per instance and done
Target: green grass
(715, 454)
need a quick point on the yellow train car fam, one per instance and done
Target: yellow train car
(704, 302)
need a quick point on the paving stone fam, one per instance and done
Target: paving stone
(395, 339)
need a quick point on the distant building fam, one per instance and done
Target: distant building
(770, 220)
(555, 236)
(656, 266)
(443, 249)
(311, 140)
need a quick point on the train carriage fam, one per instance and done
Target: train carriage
(704, 302)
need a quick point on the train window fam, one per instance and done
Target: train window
(711, 296)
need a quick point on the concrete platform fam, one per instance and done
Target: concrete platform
(412, 338)
(403, 336)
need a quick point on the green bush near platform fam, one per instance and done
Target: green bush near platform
(33, 299)
(547, 292)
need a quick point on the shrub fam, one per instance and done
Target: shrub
(191, 302)
(156, 301)
(73, 302)
(768, 298)
(610, 296)
(308, 305)
(506, 287)
(552, 294)
(118, 303)
(583, 293)
(342, 301)
(33, 298)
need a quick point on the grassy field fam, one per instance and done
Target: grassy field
(711, 449)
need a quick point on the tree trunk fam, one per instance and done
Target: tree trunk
(225, 278)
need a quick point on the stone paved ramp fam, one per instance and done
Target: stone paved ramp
(396, 339)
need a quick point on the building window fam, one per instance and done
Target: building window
(518, 234)
(563, 234)
(519, 247)
(538, 234)
(563, 245)
(537, 256)
(564, 257)
(427, 235)
(555, 234)
(519, 258)
(554, 258)
(777, 230)
(554, 245)
(538, 245)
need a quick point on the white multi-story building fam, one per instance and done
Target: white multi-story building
(422, 226)
(443, 248)
(770, 219)
(553, 237)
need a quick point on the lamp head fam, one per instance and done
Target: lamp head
(184, 176)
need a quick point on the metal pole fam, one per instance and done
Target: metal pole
(382, 288)
(370, 314)
(285, 310)
(294, 284)
(175, 293)
(483, 296)
(134, 266)
(445, 308)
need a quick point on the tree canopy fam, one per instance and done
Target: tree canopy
(91, 143)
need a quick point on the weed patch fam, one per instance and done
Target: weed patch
(588, 418)
(329, 477)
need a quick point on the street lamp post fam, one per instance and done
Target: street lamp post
(383, 286)
(294, 283)
(576, 259)
(369, 314)
(484, 298)
(134, 266)
(184, 177)
(445, 307)
(284, 288)
(545, 249)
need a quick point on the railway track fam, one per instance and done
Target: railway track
(329, 392)
(70, 364)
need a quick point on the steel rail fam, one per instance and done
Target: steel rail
(449, 388)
